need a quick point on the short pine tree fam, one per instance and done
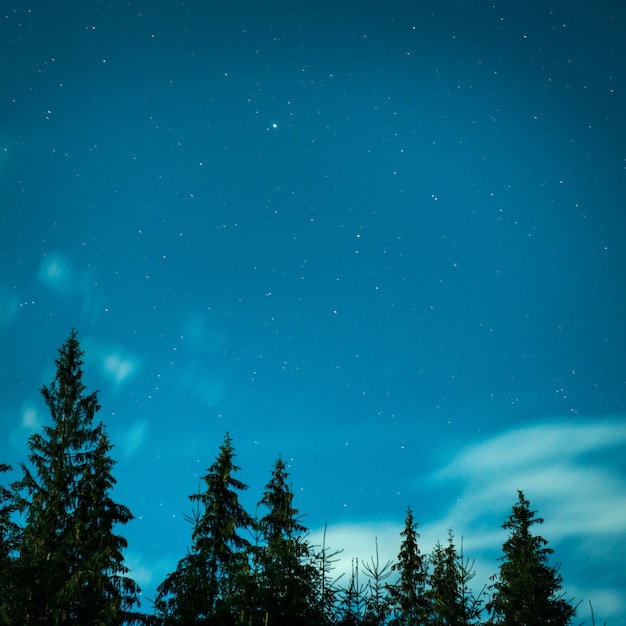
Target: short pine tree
(452, 603)
(353, 598)
(329, 591)
(377, 604)
(527, 590)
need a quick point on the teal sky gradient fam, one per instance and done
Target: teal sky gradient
(386, 240)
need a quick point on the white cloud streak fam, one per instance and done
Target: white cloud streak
(570, 473)
(560, 468)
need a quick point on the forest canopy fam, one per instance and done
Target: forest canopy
(62, 555)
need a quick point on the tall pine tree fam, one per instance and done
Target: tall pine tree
(527, 590)
(287, 579)
(206, 586)
(9, 541)
(70, 568)
(408, 594)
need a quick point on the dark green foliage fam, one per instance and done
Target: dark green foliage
(62, 563)
(185, 595)
(408, 594)
(69, 568)
(281, 521)
(9, 542)
(102, 573)
(527, 590)
(443, 586)
(287, 580)
(452, 602)
(204, 589)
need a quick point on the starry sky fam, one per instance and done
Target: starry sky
(385, 240)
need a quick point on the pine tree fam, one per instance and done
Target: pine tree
(205, 588)
(70, 568)
(328, 588)
(451, 600)
(527, 590)
(107, 593)
(443, 583)
(353, 599)
(408, 594)
(287, 578)
(9, 540)
(377, 604)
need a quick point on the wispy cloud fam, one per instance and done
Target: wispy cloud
(570, 473)
(202, 383)
(57, 273)
(30, 419)
(119, 367)
(542, 443)
(561, 466)
(139, 571)
(28, 422)
(358, 541)
(133, 438)
(115, 363)
(148, 572)
(201, 333)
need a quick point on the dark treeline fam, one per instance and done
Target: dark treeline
(61, 559)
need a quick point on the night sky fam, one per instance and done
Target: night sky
(386, 240)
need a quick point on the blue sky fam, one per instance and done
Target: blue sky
(385, 241)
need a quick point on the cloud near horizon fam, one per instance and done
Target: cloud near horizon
(568, 470)
(560, 465)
